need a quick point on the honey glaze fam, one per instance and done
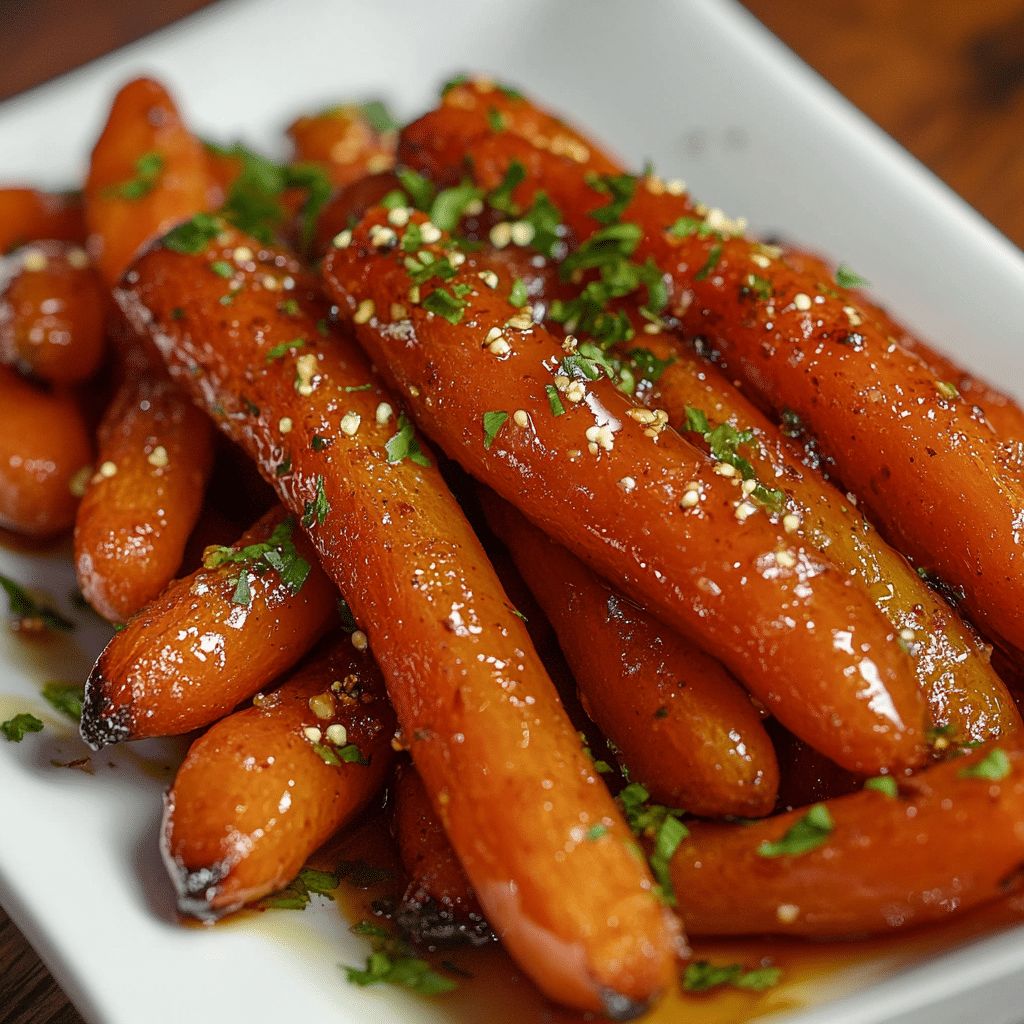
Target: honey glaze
(492, 988)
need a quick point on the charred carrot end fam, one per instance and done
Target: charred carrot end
(52, 313)
(181, 663)
(580, 915)
(148, 172)
(893, 856)
(155, 455)
(323, 739)
(684, 727)
(45, 457)
(544, 427)
(27, 215)
(439, 904)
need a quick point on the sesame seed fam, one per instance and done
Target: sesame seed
(456, 258)
(575, 392)
(414, 392)
(561, 382)
(689, 499)
(343, 239)
(652, 328)
(627, 484)
(787, 913)
(313, 734)
(592, 448)
(322, 705)
(414, 294)
(569, 344)
(382, 237)
(337, 734)
(284, 424)
(79, 481)
(384, 414)
(359, 641)
(907, 635)
(270, 283)
(430, 232)
(78, 258)
(33, 261)
(603, 436)
(349, 424)
(790, 522)
(158, 457)
(378, 163)
(761, 260)
(744, 510)
(489, 278)
(785, 558)
(501, 234)
(398, 311)
(522, 232)
(520, 418)
(521, 322)
(399, 216)
(749, 486)
(499, 347)
(108, 469)
(724, 469)
(802, 301)
(493, 334)
(675, 186)
(641, 415)
(364, 312)
(474, 208)
(305, 369)
(242, 254)
(853, 316)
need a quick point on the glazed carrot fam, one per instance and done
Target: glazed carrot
(45, 457)
(952, 664)
(345, 142)
(439, 904)
(28, 215)
(147, 173)
(641, 506)
(52, 313)
(876, 860)
(684, 727)
(504, 766)
(210, 640)
(266, 786)
(155, 455)
(930, 474)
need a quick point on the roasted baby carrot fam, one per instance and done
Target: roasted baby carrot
(211, 639)
(52, 313)
(147, 173)
(684, 727)
(346, 142)
(932, 476)
(439, 904)
(266, 786)
(904, 852)
(28, 215)
(504, 766)
(45, 457)
(155, 455)
(542, 425)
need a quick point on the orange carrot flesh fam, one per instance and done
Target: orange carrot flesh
(916, 851)
(28, 215)
(640, 505)
(684, 727)
(265, 787)
(209, 641)
(503, 764)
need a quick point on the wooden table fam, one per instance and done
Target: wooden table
(943, 77)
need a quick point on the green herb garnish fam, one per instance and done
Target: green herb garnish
(994, 767)
(67, 698)
(147, 174)
(393, 962)
(807, 834)
(405, 445)
(14, 729)
(493, 422)
(23, 606)
(847, 278)
(701, 975)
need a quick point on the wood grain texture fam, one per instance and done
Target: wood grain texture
(943, 77)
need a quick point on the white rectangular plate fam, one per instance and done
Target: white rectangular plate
(696, 86)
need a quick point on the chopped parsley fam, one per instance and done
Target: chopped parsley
(495, 120)
(659, 823)
(518, 295)
(222, 268)
(554, 400)
(379, 117)
(449, 205)
(702, 975)
(994, 767)
(453, 83)
(68, 698)
(501, 198)
(147, 173)
(847, 278)
(277, 552)
(620, 187)
(807, 834)
(884, 784)
(14, 729)
(191, 237)
(393, 962)
(493, 422)
(405, 445)
(296, 895)
(316, 509)
(420, 190)
(443, 304)
(23, 606)
(714, 255)
(279, 350)
(347, 754)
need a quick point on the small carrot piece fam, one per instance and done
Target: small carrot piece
(28, 215)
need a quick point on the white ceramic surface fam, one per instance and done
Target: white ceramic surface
(695, 85)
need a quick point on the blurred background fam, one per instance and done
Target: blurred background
(944, 78)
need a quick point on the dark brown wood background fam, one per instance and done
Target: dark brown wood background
(945, 78)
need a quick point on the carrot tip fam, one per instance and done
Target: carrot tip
(102, 723)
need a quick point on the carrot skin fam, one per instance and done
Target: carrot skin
(28, 215)
(502, 762)
(193, 653)
(255, 795)
(621, 508)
